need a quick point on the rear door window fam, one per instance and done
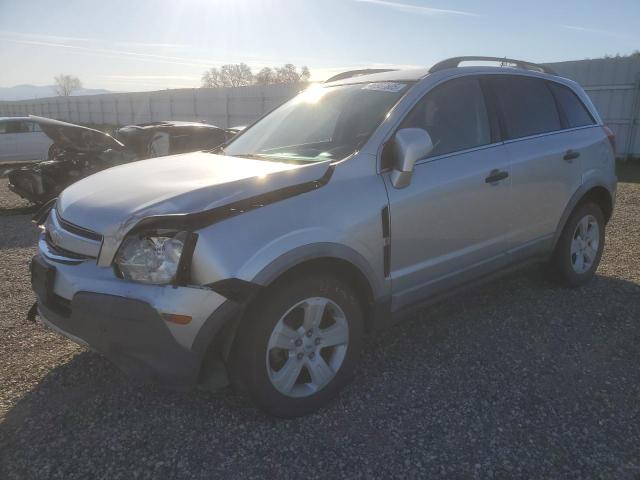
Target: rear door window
(17, 126)
(574, 111)
(455, 116)
(527, 105)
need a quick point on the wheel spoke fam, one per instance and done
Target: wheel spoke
(579, 263)
(313, 312)
(336, 334)
(285, 378)
(575, 246)
(320, 371)
(283, 337)
(584, 226)
(590, 254)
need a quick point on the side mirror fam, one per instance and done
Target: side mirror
(409, 146)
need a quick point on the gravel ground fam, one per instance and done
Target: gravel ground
(514, 379)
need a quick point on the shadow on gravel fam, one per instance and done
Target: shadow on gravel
(628, 171)
(17, 231)
(28, 210)
(516, 378)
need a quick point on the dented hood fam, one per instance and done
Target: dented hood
(111, 202)
(75, 137)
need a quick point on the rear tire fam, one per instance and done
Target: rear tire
(299, 344)
(579, 249)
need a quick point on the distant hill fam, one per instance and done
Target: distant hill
(28, 92)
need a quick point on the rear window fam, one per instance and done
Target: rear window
(575, 113)
(527, 105)
(14, 126)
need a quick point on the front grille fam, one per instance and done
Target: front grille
(81, 232)
(61, 251)
(65, 239)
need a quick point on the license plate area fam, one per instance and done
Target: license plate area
(42, 277)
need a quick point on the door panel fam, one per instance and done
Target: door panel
(544, 182)
(449, 224)
(9, 147)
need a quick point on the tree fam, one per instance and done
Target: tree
(230, 75)
(240, 75)
(236, 75)
(305, 74)
(266, 76)
(212, 79)
(66, 85)
(289, 74)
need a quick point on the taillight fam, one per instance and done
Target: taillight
(611, 136)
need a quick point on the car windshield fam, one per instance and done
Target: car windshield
(321, 123)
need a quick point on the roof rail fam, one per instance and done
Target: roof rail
(456, 61)
(357, 73)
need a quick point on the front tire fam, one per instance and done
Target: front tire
(579, 249)
(299, 344)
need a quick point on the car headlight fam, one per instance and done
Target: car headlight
(151, 258)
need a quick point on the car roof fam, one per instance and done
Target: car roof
(411, 75)
(417, 74)
(16, 118)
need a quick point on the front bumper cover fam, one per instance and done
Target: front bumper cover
(128, 332)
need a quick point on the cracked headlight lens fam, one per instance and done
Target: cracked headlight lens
(152, 258)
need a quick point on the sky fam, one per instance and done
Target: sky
(156, 44)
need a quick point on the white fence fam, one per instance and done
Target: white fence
(614, 87)
(613, 84)
(224, 107)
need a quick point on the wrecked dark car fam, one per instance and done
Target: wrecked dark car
(78, 152)
(157, 139)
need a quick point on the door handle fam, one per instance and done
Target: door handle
(571, 155)
(496, 176)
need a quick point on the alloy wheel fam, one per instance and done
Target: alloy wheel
(307, 347)
(585, 244)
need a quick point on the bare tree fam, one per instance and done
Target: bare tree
(240, 75)
(266, 76)
(236, 75)
(230, 75)
(212, 79)
(289, 74)
(305, 74)
(66, 85)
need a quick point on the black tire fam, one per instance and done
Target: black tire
(560, 267)
(249, 357)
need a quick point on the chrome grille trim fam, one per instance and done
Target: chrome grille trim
(71, 240)
(81, 232)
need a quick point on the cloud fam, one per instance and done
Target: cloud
(419, 9)
(577, 28)
(149, 53)
(172, 46)
(112, 53)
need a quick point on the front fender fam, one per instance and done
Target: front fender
(303, 253)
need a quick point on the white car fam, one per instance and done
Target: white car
(21, 139)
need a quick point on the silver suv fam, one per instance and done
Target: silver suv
(266, 262)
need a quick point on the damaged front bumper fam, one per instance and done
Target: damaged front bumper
(126, 321)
